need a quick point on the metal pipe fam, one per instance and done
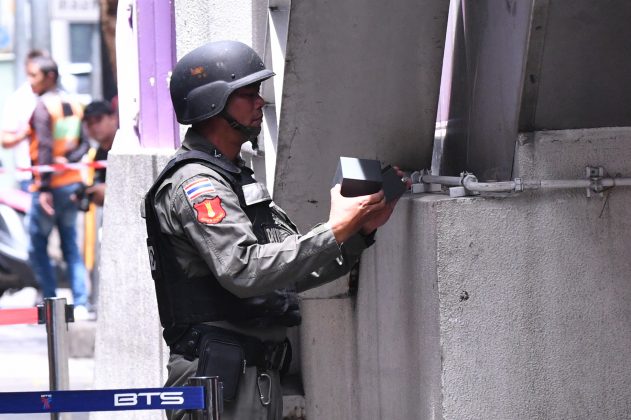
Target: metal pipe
(470, 183)
(444, 180)
(616, 182)
(57, 337)
(213, 395)
(577, 183)
(566, 183)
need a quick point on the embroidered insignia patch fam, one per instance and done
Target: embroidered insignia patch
(198, 187)
(209, 211)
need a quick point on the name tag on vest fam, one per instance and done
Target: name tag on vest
(255, 193)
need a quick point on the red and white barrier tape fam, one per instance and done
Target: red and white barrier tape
(18, 316)
(59, 167)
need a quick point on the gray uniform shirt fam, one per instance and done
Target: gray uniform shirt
(210, 233)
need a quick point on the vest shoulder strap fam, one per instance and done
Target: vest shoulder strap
(216, 164)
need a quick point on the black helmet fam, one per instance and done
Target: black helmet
(204, 78)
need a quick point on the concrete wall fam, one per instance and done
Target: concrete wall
(376, 355)
(198, 22)
(511, 307)
(361, 79)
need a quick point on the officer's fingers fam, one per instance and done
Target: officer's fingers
(336, 190)
(380, 205)
(375, 198)
(404, 177)
(368, 208)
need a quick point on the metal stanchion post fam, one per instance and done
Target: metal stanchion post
(57, 335)
(213, 394)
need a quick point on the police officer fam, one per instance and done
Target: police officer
(227, 261)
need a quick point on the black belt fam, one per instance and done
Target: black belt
(266, 355)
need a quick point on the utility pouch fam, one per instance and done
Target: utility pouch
(224, 358)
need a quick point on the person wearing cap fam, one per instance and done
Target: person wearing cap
(100, 119)
(227, 262)
(101, 122)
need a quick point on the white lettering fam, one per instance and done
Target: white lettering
(172, 398)
(125, 399)
(148, 395)
(166, 398)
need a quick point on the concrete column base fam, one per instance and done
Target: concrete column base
(130, 352)
(81, 336)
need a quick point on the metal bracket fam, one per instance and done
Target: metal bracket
(418, 186)
(455, 192)
(519, 185)
(595, 174)
(463, 191)
(41, 314)
(69, 313)
(426, 188)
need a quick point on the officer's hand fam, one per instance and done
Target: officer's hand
(349, 214)
(404, 177)
(46, 201)
(380, 218)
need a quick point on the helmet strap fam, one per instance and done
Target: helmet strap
(251, 133)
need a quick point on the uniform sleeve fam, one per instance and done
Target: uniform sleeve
(351, 251)
(209, 213)
(42, 126)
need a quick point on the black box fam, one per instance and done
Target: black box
(393, 185)
(358, 176)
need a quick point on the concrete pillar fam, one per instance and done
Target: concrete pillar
(379, 351)
(511, 307)
(129, 350)
(40, 25)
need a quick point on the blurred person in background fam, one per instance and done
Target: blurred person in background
(16, 115)
(100, 119)
(57, 136)
(101, 123)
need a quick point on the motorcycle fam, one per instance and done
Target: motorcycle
(15, 270)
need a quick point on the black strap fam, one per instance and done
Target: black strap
(262, 354)
(226, 169)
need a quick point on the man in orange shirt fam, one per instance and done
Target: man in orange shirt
(57, 137)
(15, 133)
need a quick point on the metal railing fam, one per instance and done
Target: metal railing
(204, 396)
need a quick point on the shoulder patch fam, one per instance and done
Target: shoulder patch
(209, 211)
(198, 188)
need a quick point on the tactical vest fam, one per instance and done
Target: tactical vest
(186, 301)
(66, 131)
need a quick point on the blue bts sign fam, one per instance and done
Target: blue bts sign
(188, 398)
